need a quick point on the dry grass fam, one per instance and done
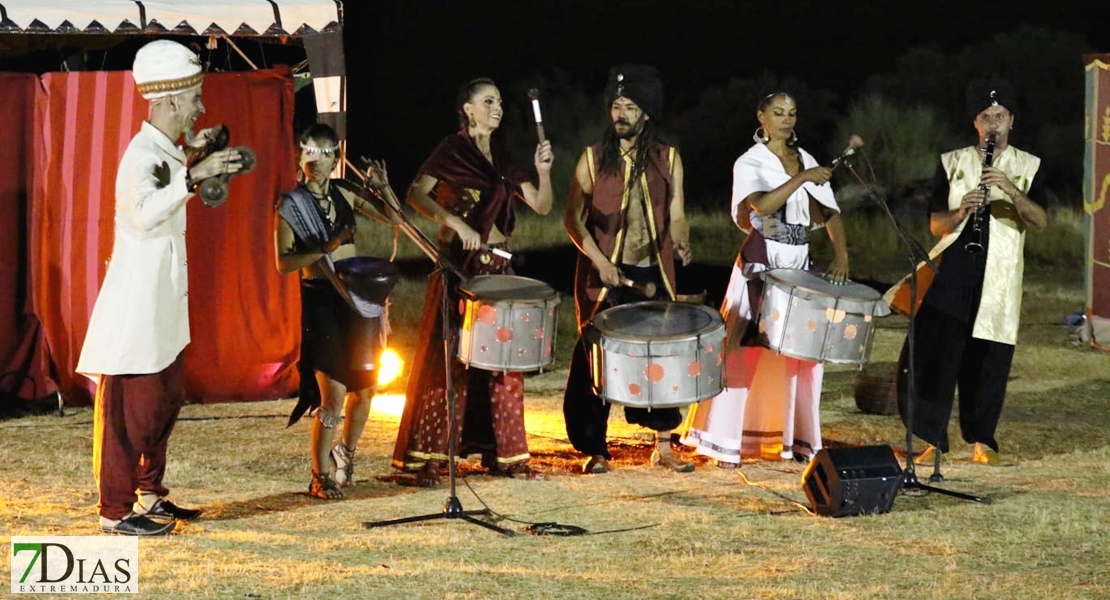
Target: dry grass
(712, 534)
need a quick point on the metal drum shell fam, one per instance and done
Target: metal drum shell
(665, 370)
(508, 323)
(806, 317)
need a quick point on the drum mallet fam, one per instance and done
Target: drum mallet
(647, 288)
(534, 96)
(503, 253)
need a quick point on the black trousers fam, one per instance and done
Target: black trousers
(947, 359)
(586, 414)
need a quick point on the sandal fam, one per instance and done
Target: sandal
(671, 462)
(344, 459)
(323, 486)
(597, 464)
(428, 475)
(521, 470)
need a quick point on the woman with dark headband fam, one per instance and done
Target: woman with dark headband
(341, 339)
(769, 407)
(468, 186)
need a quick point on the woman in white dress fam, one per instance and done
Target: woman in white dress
(769, 407)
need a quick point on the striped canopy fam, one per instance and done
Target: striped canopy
(186, 17)
(315, 24)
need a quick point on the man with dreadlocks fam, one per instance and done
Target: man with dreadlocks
(625, 213)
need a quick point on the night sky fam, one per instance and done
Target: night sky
(406, 59)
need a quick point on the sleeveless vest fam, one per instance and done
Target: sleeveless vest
(605, 220)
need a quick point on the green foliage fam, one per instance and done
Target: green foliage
(1045, 69)
(902, 141)
(907, 117)
(1061, 244)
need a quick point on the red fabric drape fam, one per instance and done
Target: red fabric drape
(1096, 190)
(17, 92)
(24, 362)
(244, 315)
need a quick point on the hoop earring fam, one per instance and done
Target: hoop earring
(471, 122)
(760, 136)
(793, 138)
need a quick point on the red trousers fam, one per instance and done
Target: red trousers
(134, 416)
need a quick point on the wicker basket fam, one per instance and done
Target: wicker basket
(876, 390)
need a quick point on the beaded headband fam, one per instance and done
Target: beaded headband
(323, 151)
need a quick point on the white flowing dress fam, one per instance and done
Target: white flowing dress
(770, 405)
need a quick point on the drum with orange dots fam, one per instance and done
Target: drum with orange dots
(805, 316)
(656, 354)
(508, 323)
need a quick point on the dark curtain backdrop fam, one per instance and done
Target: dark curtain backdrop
(24, 362)
(244, 315)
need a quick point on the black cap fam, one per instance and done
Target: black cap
(638, 83)
(985, 93)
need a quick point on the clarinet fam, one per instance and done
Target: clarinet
(975, 246)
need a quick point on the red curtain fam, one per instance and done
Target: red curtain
(244, 315)
(24, 360)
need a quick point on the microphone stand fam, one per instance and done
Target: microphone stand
(452, 507)
(916, 254)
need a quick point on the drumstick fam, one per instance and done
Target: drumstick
(503, 253)
(647, 288)
(534, 96)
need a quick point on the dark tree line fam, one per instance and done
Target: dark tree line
(908, 116)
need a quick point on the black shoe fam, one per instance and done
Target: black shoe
(139, 525)
(164, 509)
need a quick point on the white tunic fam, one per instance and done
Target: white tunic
(770, 405)
(141, 319)
(999, 312)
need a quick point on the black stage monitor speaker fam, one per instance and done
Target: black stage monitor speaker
(843, 482)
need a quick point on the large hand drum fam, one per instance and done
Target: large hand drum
(508, 323)
(804, 316)
(656, 354)
(369, 278)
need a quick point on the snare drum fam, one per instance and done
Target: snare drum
(508, 323)
(656, 354)
(805, 316)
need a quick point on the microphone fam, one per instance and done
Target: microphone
(534, 95)
(854, 142)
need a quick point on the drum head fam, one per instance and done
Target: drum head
(367, 277)
(851, 296)
(506, 287)
(657, 321)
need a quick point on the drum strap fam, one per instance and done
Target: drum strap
(297, 209)
(619, 242)
(648, 211)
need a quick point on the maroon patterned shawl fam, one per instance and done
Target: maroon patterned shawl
(473, 188)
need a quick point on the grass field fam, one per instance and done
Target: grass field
(745, 533)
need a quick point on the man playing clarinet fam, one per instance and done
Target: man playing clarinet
(967, 325)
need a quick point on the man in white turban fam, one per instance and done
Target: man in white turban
(140, 325)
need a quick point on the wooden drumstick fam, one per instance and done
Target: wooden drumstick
(534, 96)
(647, 288)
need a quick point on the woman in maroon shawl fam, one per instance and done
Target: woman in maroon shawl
(468, 185)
